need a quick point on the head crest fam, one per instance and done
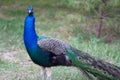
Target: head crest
(30, 10)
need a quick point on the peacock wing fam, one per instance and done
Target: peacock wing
(53, 45)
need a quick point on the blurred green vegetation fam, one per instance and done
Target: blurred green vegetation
(73, 21)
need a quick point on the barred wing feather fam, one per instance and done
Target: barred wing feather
(53, 45)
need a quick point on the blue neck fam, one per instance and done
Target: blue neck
(30, 36)
(37, 55)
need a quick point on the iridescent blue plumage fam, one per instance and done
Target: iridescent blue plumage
(39, 56)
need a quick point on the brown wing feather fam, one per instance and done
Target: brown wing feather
(53, 45)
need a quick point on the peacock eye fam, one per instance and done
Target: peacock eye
(105, 72)
(78, 58)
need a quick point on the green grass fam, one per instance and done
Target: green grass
(70, 27)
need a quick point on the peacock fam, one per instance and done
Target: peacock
(48, 52)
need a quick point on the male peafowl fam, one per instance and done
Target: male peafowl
(47, 52)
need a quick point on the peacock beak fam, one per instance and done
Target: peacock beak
(29, 11)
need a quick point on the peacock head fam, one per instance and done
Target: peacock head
(30, 10)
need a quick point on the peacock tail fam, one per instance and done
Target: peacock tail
(99, 68)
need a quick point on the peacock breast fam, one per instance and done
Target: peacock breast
(39, 56)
